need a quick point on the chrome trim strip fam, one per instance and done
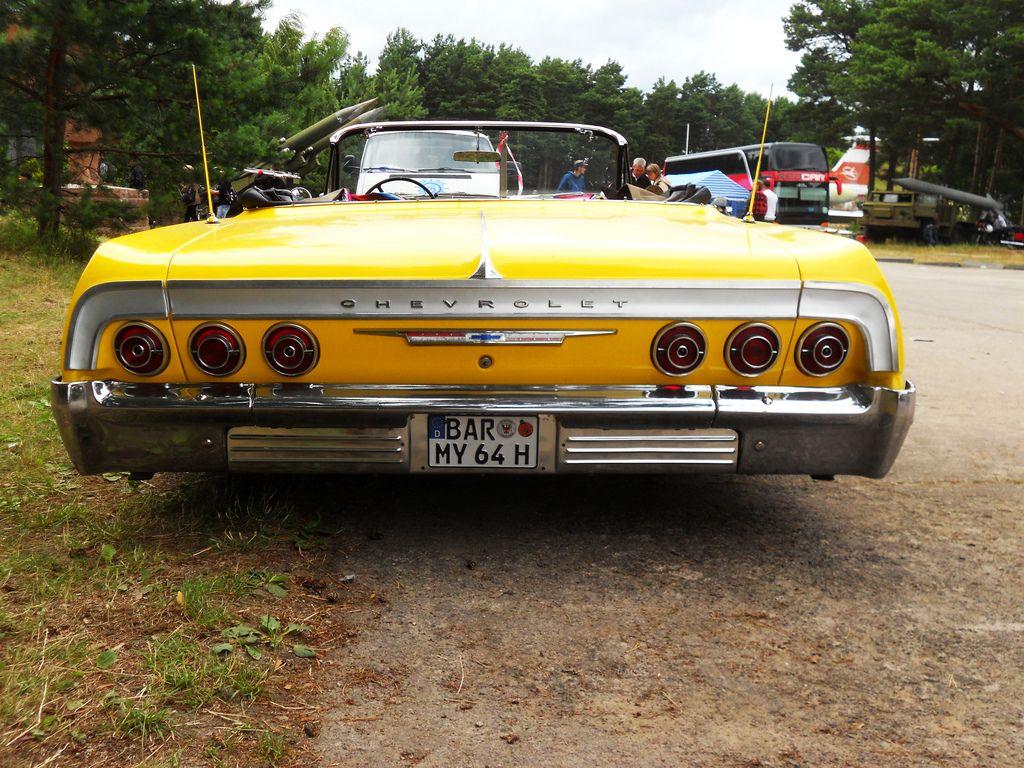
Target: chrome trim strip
(295, 299)
(485, 270)
(421, 337)
(633, 448)
(103, 304)
(256, 448)
(660, 439)
(427, 125)
(726, 462)
(864, 306)
(656, 449)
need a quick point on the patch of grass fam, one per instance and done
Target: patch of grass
(185, 670)
(204, 597)
(173, 760)
(947, 253)
(220, 748)
(271, 746)
(19, 233)
(138, 718)
(96, 650)
(36, 677)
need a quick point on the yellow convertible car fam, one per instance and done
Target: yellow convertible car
(481, 297)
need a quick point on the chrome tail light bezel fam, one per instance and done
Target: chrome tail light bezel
(659, 348)
(162, 348)
(225, 370)
(841, 337)
(752, 371)
(313, 350)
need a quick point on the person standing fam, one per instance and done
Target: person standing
(638, 173)
(657, 183)
(573, 181)
(225, 197)
(190, 199)
(771, 200)
(137, 176)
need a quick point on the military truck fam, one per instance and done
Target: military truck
(922, 211)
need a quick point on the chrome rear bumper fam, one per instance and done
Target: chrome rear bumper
(116, 426)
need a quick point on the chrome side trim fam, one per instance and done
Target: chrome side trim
(252, 449)
(295, 299)
(714, 450)
(485, 270)
(102, 304)
(418, 337)
(864, 306)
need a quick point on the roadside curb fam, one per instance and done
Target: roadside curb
(958, 264)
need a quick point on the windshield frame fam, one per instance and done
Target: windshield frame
(332, 182)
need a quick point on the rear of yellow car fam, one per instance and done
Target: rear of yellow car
(504, 336)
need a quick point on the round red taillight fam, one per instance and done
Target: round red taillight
(822, 349)
(141, 349)
(216, 349)
(678, 349)
(290, 349)
(752, 349)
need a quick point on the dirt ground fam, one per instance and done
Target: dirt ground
(710, 621)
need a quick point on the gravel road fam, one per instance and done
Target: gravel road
(712, 621)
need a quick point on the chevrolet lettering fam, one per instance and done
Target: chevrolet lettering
(484, 322)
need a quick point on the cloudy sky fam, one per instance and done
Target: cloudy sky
(674, 38)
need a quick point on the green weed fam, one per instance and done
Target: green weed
(184, 670)
(271, 746)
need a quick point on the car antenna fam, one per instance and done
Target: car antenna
(211, 218)
(749, 218)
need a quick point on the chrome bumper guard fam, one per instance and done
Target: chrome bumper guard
(116, 426)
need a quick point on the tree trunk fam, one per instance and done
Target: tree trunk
(872, 159)
(977, 158)
(952, 169)
(890, 172)
(997, 160)
(54, 128)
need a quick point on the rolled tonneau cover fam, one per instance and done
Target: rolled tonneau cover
(956, 195)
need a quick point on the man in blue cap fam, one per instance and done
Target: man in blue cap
(573, 180)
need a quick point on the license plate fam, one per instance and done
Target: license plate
(494, 442)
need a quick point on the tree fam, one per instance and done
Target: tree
(82, 61)
(397, 80)
(825, 31)
(909, 69)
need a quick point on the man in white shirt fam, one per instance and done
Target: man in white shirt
(771, 200)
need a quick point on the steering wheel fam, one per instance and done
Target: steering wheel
(382, 182)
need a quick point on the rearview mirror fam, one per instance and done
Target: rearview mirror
(476, 157)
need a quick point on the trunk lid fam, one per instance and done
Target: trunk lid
(442, 240)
